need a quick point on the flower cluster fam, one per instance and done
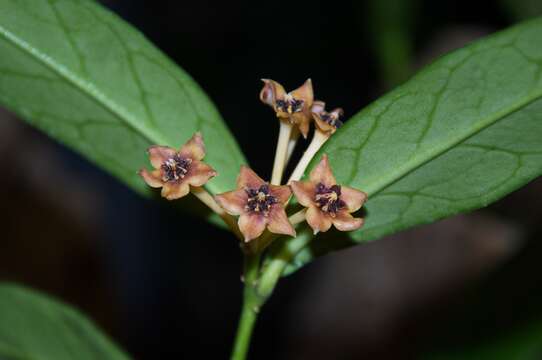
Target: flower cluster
(260, 205)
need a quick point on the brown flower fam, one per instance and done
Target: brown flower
(327, 202)
(176, 170)
(327, 122)
(294, 106)
(259, 205)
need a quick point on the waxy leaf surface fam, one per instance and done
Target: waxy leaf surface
(91, 81)
(461, 134)
(34, 326)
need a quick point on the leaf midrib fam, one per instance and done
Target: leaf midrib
(84, 86)
(419, 161)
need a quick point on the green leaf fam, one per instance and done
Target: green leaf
(464, 132)
(90, 80)
(35, 327)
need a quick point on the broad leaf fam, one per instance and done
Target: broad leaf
(91, 81)
(462, 133)
(34, 326)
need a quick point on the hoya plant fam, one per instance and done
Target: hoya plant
(459, 135)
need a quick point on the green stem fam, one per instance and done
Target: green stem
(279, 260)
(260, 286)
(251, 307)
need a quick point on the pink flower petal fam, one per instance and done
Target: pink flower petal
(271, 92)
(353, 198)
(252, 225)
(282, 193)
(278, 221)
(322, 173)
(305, 93)
(318, 106)
(153, 179)
(248, 178)
(322, 125)
(193, 148)
(159, 154)
(175, 190)
(317, 220)
(343, 221)
(199, 173)
(302, 119)
(304, 192)
(233, 202)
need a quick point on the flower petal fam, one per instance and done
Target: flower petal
(278, 221)
(271, 91)
(318, 106)
(304, 192)
(159, 154)
(282, 193)
(337, 112)
(322, 125)
(317, 220)
(322, 173)
(248, 178)
(233, 202)
(353, 198)
(302, 120)
(194, 148)
(199, 173)
(252, 225)
(343, 221)
(152, 178)
(305, 93)
(175, 190)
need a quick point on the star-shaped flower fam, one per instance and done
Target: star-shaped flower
(175, 171)
(294, 106)
(259, 205)
(328, 203)
(328, 122)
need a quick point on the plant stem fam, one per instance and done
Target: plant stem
(279, 260)
(318, 140)
(281, 151)
(251, 307)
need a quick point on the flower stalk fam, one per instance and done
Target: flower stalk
(318, 140)
(281, 152)
(294, 136)
(298, 217)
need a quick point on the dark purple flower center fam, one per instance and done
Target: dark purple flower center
(175, 168)
(260, 200)
(289, 106)
(328, 199)
(331, 119)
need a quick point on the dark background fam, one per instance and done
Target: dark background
(165, 285)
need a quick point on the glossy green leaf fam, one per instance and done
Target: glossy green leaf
(464, 132)
(33, 326)
(91, 81)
